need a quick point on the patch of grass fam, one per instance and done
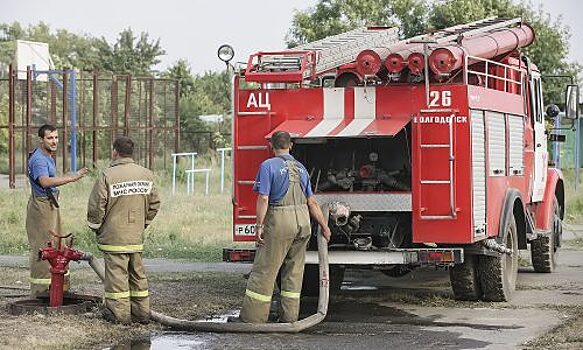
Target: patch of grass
(189, 226)
(568, 335)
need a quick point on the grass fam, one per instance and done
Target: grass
(189, 226)
(574, 198)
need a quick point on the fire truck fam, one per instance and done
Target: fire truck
(429, 151)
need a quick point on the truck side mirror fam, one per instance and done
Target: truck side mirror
(572, 102)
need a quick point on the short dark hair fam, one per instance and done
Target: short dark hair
(280, 140)
(124, 146)
(43, 130)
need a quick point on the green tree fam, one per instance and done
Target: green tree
(132, 54)
(181, 71)
(329, 17)
(68, 50)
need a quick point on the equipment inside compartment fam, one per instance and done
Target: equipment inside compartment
(374, 164)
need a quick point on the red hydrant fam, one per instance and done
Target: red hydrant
(59, 259)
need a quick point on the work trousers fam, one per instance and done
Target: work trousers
(285, 239)
(126, 287)
(41, 216)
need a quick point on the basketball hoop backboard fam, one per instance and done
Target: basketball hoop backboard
(30, 53)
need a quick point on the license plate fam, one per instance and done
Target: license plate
(245, 230)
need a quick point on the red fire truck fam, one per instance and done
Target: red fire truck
(429, 151)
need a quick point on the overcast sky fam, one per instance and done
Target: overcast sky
(193, 30)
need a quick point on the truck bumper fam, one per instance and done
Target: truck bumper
(409, 256)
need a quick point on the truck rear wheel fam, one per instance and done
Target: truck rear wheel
(498, 273)
(311, 283)
(543, 250)
(465, 280)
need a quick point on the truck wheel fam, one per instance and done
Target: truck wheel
(543, 250)
(311, 283)
(498, 273)
(465, 280)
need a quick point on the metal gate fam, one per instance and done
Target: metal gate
(90, 109)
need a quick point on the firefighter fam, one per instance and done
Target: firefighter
(42, 212)
(285, 202)
(122, 204)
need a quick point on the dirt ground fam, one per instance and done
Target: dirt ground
(197, 295)
(190, 295)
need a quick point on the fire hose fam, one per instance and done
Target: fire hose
(239, 327)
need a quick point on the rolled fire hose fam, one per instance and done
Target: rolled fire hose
(239, 327)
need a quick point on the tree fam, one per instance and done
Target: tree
(181, 72)
(68, 50)
(329, 17)
(132, 54)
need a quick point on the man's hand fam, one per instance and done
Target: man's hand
(326, 232)
(82, 172)
(259, 236)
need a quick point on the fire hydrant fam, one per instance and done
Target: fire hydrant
(59, 258)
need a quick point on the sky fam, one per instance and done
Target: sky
(194, 29)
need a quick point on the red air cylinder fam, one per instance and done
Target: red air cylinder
(370, 61)
(416, 63)
(395, 63)
(447, 59)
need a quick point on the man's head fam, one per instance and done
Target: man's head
(48, 138)
(123, 147)
(281, 141)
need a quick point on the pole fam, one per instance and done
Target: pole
(577, 152)
(73, 117)
(174, 173)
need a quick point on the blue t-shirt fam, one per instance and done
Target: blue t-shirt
(273, 179)
(40, 164)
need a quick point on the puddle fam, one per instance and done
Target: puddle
(221, 318)
(359, 288)
(168, 341)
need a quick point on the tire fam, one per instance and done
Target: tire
(498, 273)
(311, 282)
(543, 250)
(465, 280)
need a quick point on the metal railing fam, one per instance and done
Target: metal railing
(490, 79)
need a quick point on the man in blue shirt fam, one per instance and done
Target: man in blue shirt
(42, 213)
(285, 203)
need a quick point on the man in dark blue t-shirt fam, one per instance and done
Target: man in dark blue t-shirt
(285, 203)
(42, 212)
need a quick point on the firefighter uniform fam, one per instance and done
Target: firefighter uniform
(124, 201)
(42, 216)
(286, 235)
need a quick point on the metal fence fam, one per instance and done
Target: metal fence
(90, 109)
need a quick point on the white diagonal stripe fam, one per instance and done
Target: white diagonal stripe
(364, 111)
(333, 113)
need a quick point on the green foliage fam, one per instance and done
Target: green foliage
(181, 71)
(329, 17)
(130, 54)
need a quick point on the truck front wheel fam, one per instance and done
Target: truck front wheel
(543, 250)
(498, 273)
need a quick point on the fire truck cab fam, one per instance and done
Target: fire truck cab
(447, 166)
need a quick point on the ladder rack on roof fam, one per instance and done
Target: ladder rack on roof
(467, 30)
(312, 59)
